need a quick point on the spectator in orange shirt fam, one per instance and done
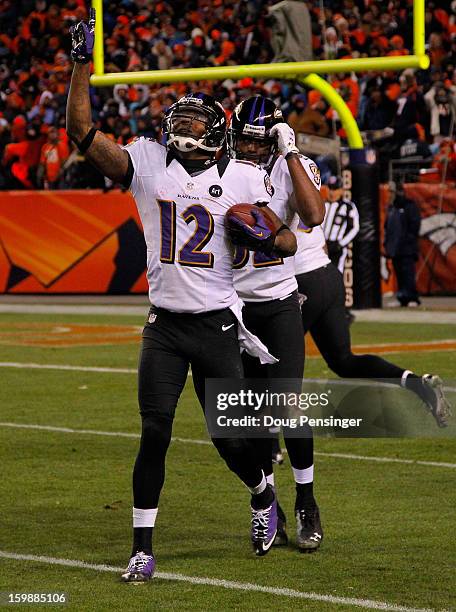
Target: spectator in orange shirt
(53, 155)
(308, 119)
(227, 49)
(397, 46)
(21, 159)
(437, 52)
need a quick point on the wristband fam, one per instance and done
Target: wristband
(281, 228)
(288, 155)
(87, 140)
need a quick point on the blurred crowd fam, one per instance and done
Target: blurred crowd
(404, 114)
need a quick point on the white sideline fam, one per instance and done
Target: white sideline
(225, 584)
(124, 434)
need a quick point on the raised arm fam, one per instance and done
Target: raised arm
(307, 200)
(105, 155)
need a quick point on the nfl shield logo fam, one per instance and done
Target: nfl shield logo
(152, 317)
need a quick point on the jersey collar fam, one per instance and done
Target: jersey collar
(272, 164)
(222, 163)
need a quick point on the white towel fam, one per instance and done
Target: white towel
(248, 341)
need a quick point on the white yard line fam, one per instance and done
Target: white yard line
(441, 464)
(225, 584)
(62, 366)
(77, 368)
(124, 434)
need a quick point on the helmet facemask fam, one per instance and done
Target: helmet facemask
(259, 150)
(189, 127)
(249, 133)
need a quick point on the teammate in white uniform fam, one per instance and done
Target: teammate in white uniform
(311, 253)
(182, 194)
(268, 287)
(322, 291)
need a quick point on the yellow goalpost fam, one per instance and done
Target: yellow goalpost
(306, 72)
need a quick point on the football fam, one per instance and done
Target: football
(244, 213)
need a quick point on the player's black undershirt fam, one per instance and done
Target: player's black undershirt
(195, 166)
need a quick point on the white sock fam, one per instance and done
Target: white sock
(303, 476)
(144, 518)
(404, 377)
(270, 479)
(259, 488)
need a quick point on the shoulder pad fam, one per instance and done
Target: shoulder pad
(132, 142)
(153, 141)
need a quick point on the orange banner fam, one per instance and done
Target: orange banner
(436, 266)
(70, 242)
(91, 242)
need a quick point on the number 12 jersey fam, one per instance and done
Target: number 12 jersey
(189, 255)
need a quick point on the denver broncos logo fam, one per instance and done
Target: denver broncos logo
(440, 230)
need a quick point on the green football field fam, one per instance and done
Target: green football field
(68, 440)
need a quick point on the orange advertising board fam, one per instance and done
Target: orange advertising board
(70, 242)
(89, 241)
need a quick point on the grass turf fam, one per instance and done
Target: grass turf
(388, 526)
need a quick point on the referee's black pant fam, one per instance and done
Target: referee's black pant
(170, 342)
(323, 314)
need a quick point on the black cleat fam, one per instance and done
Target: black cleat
(264, 526)
(435, 400)
(309, 533)
(281, 538)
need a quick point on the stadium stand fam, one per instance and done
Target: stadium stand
(416, 109)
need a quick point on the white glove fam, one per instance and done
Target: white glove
(286, 142)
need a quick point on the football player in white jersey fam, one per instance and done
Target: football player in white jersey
(182, 193)
(323, 310)
(267, 285)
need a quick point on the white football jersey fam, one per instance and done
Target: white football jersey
(189, 256)
(259, 277)
(311, 253)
